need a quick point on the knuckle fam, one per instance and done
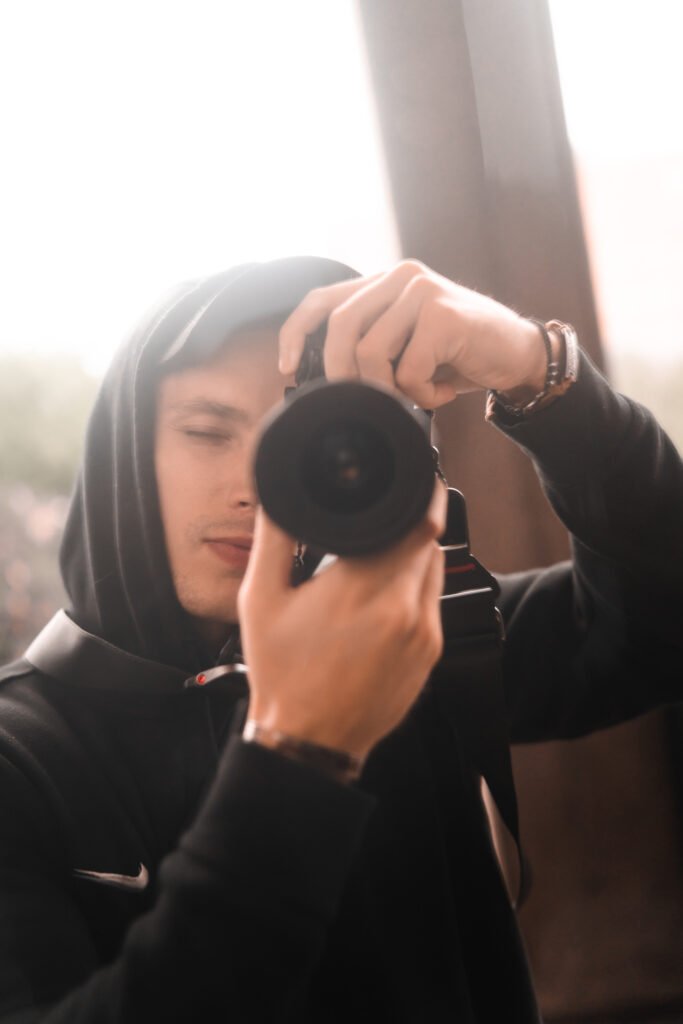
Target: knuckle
(411, 267)
(434, 525)
(314, 303)
(404, 375)
(407, 621)
(338, 322)
(368, 359)
(335, 318)
(314, 299)
(397, 618)
(422, 285)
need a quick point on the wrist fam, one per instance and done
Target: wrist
(323, 727)
(337, 764)
(543, 348)
(561, 371)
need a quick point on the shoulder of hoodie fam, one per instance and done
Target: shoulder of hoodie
(23, 709)
(33, 738)
(17, 679)
(46, 774)
(15, 670)
(33, 726)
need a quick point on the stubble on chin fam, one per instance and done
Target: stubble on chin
(216, 603)
(206, 589)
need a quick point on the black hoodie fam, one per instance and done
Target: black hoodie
(245, 886)
(113, 558)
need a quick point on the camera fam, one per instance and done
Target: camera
(346, 467)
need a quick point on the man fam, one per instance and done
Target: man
(158, 865)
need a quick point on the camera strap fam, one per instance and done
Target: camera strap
(467, 682)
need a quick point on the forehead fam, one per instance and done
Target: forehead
(245, 367)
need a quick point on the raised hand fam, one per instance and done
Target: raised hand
(339, 660)
(414, 330)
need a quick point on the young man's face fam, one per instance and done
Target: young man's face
(207, 424)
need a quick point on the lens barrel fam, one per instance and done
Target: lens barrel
(346, 467)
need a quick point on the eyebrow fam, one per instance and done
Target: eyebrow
(209, 407)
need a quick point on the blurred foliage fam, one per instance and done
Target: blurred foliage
(30, 585)
(44, 403)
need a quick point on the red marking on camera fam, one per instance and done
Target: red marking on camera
(460, 568)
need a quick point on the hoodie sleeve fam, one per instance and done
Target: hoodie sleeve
(597, 641)
(240, 922)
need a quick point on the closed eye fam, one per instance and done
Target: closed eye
(214, 437)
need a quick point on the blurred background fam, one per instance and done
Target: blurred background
(529, 148)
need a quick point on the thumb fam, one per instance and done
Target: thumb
(270, 564)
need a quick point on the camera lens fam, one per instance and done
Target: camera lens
(347, 466)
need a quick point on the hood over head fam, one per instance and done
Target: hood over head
(113, 558)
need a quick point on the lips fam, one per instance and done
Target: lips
(232, 551)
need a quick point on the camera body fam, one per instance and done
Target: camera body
(346, 467)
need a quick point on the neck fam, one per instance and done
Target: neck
(214, 635)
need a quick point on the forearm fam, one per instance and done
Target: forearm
(594, 643)
(613, 476)
(244, 907)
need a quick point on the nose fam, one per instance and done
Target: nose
(242, 492)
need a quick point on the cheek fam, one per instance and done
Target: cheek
(177, 487)
(191, 491)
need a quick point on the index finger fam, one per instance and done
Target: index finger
(308, 316)
(270, 564)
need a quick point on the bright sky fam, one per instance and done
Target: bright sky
(622, 79)
(622, 74)
(148, 141)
